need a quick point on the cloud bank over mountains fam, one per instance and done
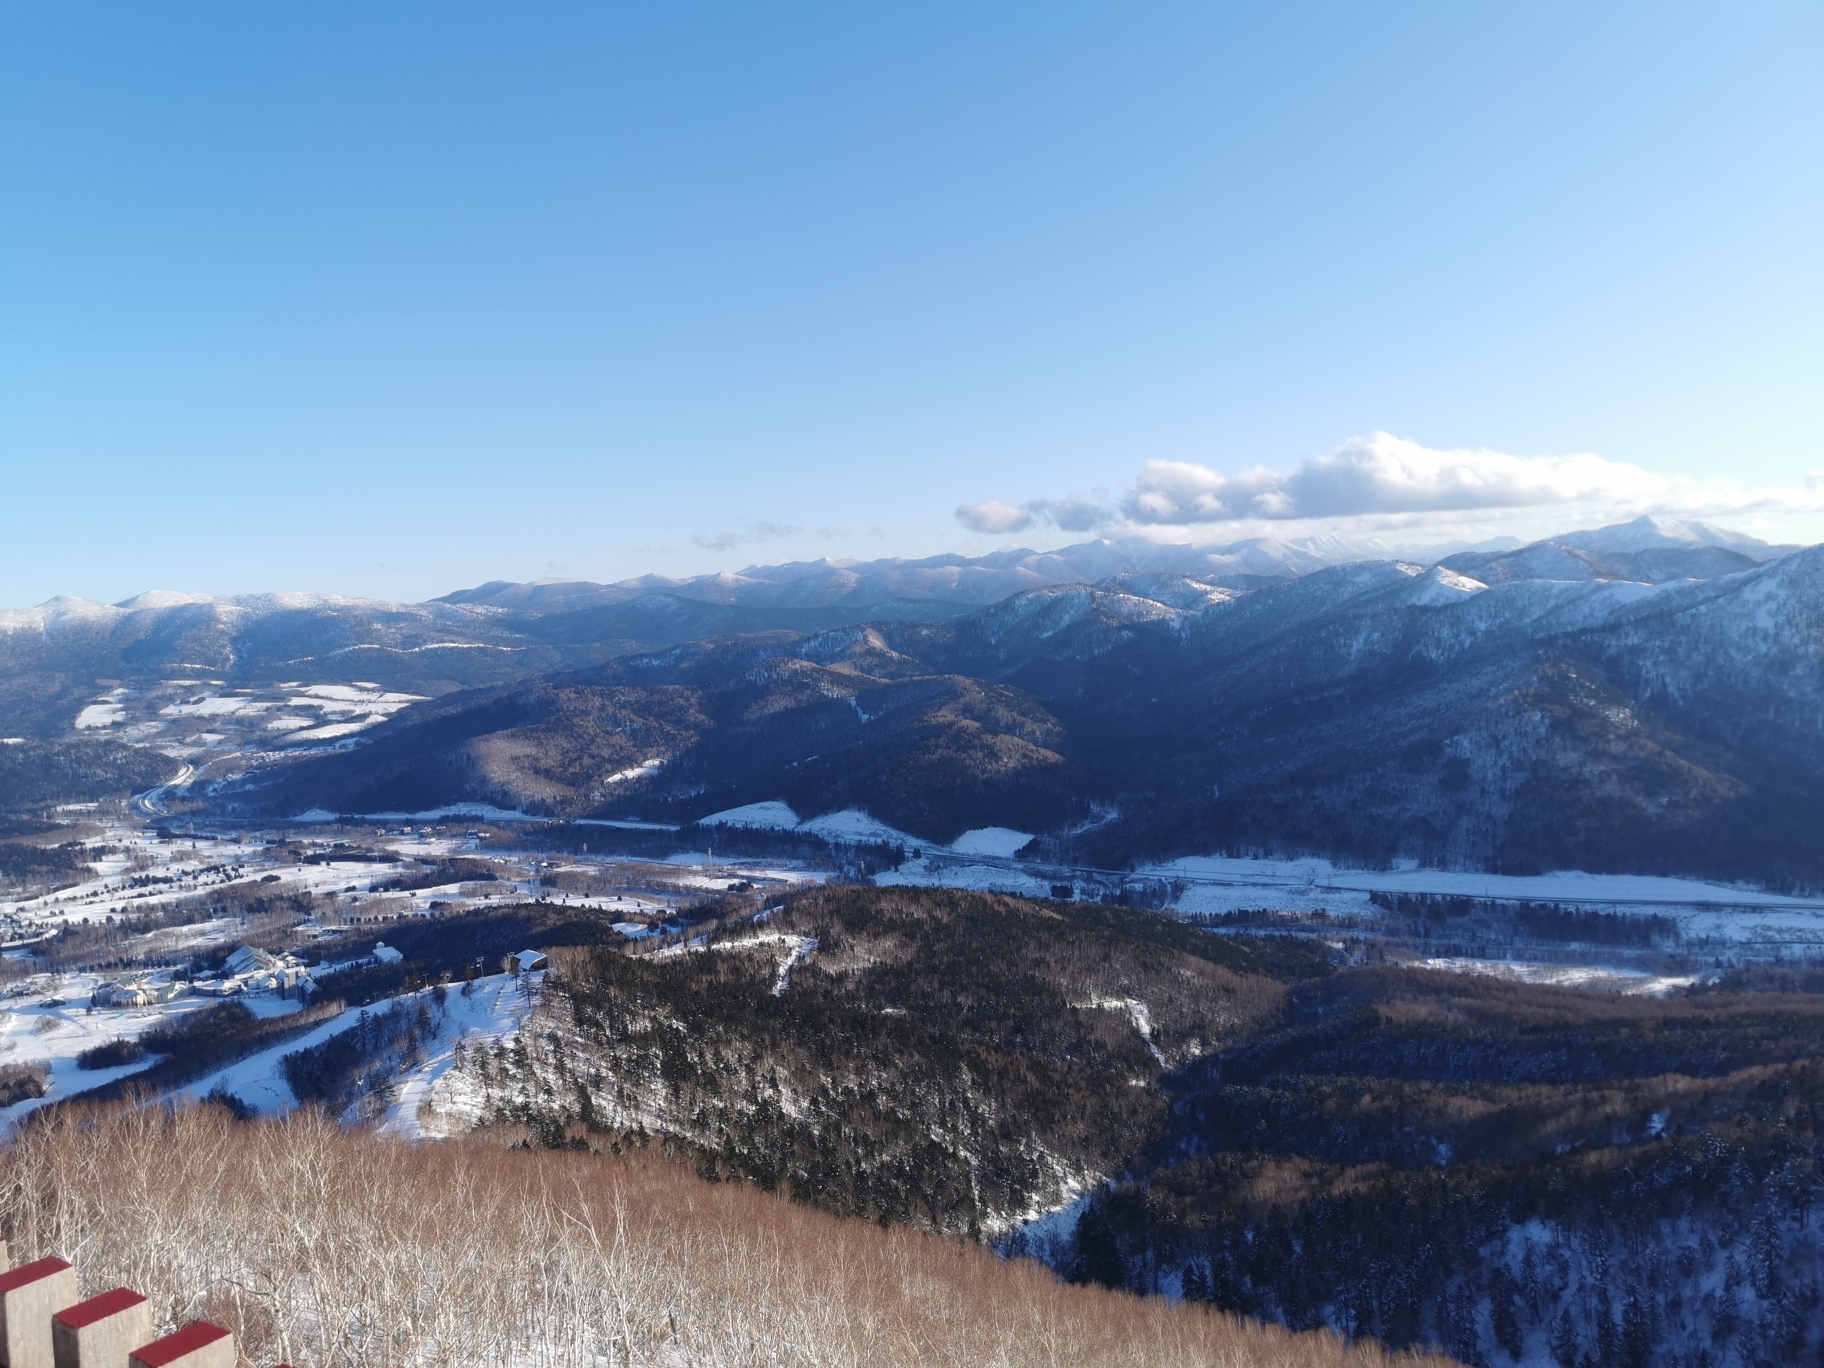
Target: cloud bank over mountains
(1378, 474)
(1385, 484)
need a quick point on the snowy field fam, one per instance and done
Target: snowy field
(142, 872)
(493, 1010)
(37, 1033)
(137, 872)
(855, 827)
(205, 719)
(851, 825)
(1713, 918)
(1318, 878)
(173, 871)
(33, 1031)
(981, 878)
(1217, 883)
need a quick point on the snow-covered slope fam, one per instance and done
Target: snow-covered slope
(1650, 549)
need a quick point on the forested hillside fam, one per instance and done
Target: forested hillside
(1515, 1172)
(952, 1060)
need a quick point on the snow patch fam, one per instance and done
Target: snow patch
(1634, 982)
(773, 816)
(854, 827)
(929, 873)
(639, 771)
(999, 841)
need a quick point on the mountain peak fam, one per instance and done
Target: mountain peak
(1655, 531)
(164, 598)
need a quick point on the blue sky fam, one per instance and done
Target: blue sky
(394, 298)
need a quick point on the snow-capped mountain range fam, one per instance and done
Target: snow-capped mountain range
(990, 578)
(1374, 711)
(1648, 697)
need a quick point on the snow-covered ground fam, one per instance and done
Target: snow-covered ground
(32, 1031)
(1639, 982)
(206, 719)
(138, 872)
(853, 826)
(143, 872)
(1713, 918)
(1571, 886)
(933, 872)
(766, 816)
(53, 1036)
(183, 867)
(493, 1010)
(1315, 878)
(1002, 841)
(432, 1102)
(856, 827)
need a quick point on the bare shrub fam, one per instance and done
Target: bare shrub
(326, 1248)
(20, 1082)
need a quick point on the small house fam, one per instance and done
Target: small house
(526, 961)
(385, 953)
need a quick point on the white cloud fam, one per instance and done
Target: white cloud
(1380, 474)
(1073, 515)
(755, 532)
(1069, 515)
(994, 517)
(1386, 487)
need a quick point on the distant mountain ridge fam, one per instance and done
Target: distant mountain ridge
(56, 658)
(1649, 550)
(998, 575)
(1637, 699)
(1651, 532)
(1370, 711)
(951, 578)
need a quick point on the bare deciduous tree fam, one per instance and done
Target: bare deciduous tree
(331, 1249)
